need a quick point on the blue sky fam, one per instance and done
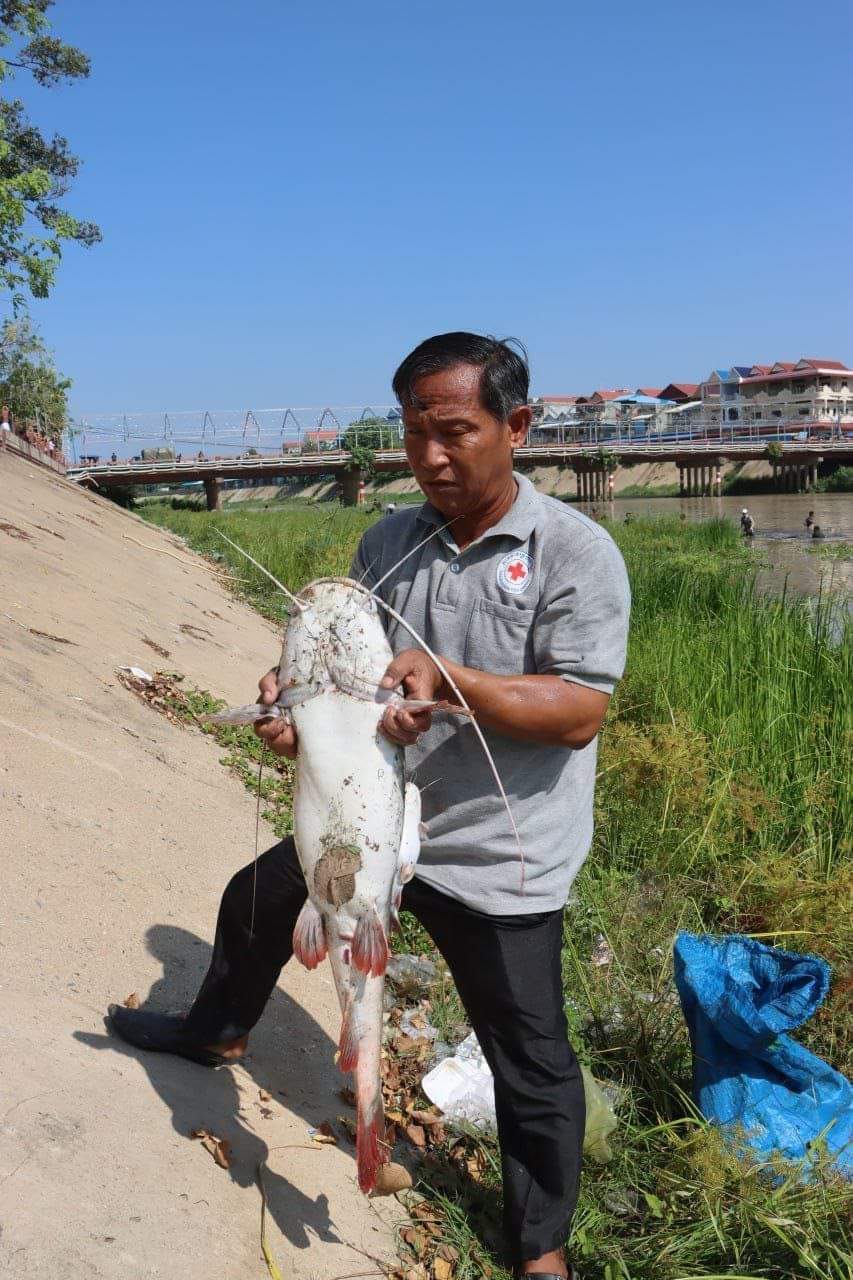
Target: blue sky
(293, 195)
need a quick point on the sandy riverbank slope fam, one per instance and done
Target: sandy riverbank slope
(119, 831)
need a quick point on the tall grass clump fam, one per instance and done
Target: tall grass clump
(723, 804)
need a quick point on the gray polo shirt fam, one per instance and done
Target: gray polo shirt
(543, 591)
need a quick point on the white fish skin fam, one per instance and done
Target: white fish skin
(349, 813)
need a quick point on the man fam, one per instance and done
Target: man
(747, 524)
(526, 602)
(5, 426)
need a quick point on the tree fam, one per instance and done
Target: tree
(36, 172)
(29, 382)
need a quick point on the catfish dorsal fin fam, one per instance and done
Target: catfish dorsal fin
(478, 731)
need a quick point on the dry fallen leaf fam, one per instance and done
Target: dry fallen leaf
(219, 1148)
(348, 1096)
(415, 1134)
(132, 1001)
(416, 1238)
(263, 1095)
(426, 1117)
(390, 1179)
(442, 1269)
(324, 1134)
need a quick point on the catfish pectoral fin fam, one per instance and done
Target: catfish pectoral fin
(309, 936)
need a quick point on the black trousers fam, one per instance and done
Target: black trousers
(507, 973)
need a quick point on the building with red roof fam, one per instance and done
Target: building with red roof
(809, 390)
(679, 392)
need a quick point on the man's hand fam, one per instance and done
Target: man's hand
(422, 681)
(279, 735)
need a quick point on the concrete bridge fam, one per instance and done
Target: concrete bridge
(795, 466)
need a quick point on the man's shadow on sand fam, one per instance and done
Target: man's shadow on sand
(289, 1054)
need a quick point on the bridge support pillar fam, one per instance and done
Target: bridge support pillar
(213, 493)
(350, 486)
(680, 481)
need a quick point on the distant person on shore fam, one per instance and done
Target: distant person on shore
(809, 520)
(113, 456)
(5, 426)
(390, 508)
(817, 532)
(747, 524)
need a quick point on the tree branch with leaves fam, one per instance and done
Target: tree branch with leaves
(36, 172)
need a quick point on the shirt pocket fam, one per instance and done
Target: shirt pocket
(500, 638)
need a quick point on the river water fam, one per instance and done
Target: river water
(781, 546)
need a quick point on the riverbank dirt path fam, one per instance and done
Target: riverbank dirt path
(119, 832)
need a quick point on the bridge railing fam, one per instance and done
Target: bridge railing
(336, 460)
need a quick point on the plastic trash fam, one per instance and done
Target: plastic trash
(740, 998)
(600, 1120)
(462, 1087)
(411, 976)
(138, 674)
(415, 1024)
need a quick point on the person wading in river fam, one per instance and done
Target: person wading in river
(526, 601)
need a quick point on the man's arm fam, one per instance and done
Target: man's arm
(532, 708)
(579, 650)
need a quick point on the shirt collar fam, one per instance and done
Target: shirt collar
(519, 522)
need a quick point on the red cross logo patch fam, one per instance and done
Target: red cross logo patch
(514, 572)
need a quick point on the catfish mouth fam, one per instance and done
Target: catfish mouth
(311, 590)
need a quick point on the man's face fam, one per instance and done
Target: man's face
(460, 454)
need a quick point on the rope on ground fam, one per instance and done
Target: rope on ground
(193, 564)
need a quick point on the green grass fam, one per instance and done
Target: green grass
(648, 491)
(723, 803)
(832, 550)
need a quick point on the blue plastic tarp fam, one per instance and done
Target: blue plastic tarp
(740, 999)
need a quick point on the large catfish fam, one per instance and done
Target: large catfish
(356, 821)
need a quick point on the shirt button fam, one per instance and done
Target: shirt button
(455, 566)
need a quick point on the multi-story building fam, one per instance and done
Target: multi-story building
(719, 393)
(810, 391)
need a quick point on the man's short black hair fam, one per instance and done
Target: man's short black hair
(504, 380)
